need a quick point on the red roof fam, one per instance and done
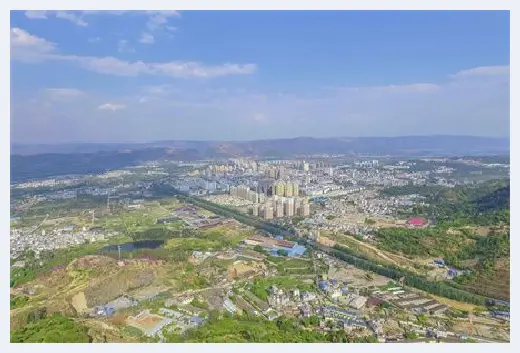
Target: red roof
(285, 243)
(417, 221)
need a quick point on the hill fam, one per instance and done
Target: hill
(404, 145)
(39, 161)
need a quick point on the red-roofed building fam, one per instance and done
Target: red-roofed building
(416, 222)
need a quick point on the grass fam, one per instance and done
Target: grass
(220, 263)
(455, 304)
(133, 331)
(18, 302)
(292, 266)
(192, 244)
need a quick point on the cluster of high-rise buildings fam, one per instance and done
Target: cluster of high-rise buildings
(244, 192)
(284, 202)
(374, 163)
(218, 169)
(279, 207)
(275, 172)
(286, 190)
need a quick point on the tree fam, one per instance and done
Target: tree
(281, 252)
(36, 315)
(369, 221)
(410, 335)
(55, 329)
(259, 249)
(422, 319)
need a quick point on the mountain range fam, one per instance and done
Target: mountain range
(406, 146)
(40, 161)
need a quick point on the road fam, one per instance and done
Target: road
(377, 251)
(41, 223)
(191, 291)
(248, 219)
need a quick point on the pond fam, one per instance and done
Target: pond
(135, 245)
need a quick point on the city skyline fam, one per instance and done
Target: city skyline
(119, 76)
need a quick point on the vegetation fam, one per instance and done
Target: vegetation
(226, 211)
(459, 211)
(454, 247)
(481, 204)
(53, 164)
(244, 329)
(485, 204)
(369, 221)
(49, 260)
(438, 288)
(161, 233)
(288, 266)
(18, 301)
(296, 220)
(199, 304)
(281, 252)
(260, 250)
(411, 335)
(55, 329)
(425, 191)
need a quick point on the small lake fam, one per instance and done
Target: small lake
(135, 245)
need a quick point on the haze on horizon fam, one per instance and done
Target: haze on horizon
(117, 76)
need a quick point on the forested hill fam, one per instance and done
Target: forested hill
(484, 204)
(472, 232)
(497, 199)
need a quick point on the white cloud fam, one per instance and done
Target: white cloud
(483, 71)
(146, 38)
(159, 90)
(94, 40)
(165, 13)
(105, 12)
(479, 106)
(27, 47)
(75, 17)
(61, 94)
(123, 47)
(411, 88)
(156, 19)
(72, 17)
(159, 19)
(36, 14)
(416, 87)
(260, 118)
(194, 69)
(111, 106)
(110, 65)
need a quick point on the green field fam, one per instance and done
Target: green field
(287, 266)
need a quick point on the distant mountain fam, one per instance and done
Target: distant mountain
(406, 146)
(38, 161)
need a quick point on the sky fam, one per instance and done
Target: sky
(129, 76)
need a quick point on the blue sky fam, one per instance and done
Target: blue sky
(109, 76)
